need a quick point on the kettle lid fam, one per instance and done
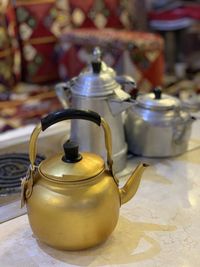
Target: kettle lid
(72, 166)
(158, 101)
(96, 80)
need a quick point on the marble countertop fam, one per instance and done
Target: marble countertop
(160, 226)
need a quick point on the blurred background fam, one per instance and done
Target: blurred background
(43, 42)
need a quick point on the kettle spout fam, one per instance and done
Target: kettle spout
(131, 186)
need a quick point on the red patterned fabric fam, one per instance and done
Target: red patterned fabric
(72, 58)
(135, 53)
(99, 14)
(9, 48)
(35, 18)
(13, 34)
(39, 61)
(40, 23)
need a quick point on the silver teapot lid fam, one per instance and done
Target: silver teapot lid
(191, 103)
(97, 80)
(158, 101)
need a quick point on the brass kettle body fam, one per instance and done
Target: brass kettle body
(74, 205)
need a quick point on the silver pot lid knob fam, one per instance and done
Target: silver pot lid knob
(97, 80)
(96, 67)
(96, 61)
(97, 54)
(158, 93)
(156, 100)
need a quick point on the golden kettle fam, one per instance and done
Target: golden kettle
(73, 199)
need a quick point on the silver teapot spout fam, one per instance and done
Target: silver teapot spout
(117, 107)
(119, 102)
(126, 80)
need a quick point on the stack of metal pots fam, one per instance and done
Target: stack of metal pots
(155, 125)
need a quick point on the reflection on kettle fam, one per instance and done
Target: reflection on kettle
(69, 194)
(98, 88)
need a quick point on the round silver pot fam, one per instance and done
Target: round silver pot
(156, 126)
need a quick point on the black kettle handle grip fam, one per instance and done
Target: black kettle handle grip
(68, 114)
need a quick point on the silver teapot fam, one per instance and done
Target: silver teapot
(99, 89)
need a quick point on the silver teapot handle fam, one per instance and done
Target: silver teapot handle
(63, 92)
(180, 130)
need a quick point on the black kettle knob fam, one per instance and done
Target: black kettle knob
(96, 67)
(157, 92)
(71, 152)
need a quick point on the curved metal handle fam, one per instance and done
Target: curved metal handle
(180, 129)
(179, 133)
(69, 114)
